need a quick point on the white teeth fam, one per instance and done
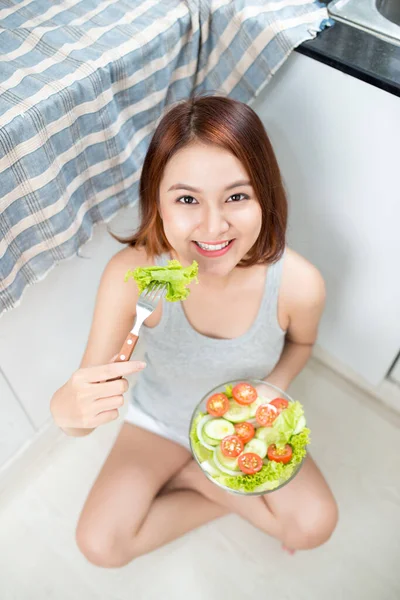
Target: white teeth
(212, 246)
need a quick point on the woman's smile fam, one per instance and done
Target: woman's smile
(213, 249)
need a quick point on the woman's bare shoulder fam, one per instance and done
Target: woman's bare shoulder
(113, 279)
(113, 289)
(302, 282)
(129, 258)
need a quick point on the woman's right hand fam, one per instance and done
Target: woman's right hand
(93, 395)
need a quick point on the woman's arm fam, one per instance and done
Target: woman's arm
(302, 298)
(113, 317)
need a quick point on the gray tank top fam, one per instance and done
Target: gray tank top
(183, 365)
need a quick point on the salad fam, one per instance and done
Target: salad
(247, 443)
(174, 276)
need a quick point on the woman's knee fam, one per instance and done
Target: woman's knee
(312, 527)
(100, 547)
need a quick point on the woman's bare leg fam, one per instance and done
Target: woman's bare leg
(122, 517)
(138, 505)
(252, 508)
(306, 508)
(302, 514)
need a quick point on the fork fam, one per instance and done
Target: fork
(147, 303)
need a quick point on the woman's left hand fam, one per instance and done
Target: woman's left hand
(267, 392)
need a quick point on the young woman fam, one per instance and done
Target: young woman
(210, 191)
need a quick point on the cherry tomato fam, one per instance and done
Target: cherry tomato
(280, 404)
(231, 446)
(217, 405)
(250, 463)
(266, 415)
(245, 431)
(280, 455)
(244, 393)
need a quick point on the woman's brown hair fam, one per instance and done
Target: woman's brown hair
(234, 126)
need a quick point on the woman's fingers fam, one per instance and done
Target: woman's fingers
(105, 417)
(111, 371)
(266, 392)
(107, 404)
(108, 389)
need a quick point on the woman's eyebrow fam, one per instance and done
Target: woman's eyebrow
(185, 186)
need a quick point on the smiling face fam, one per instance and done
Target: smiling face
(208, 208)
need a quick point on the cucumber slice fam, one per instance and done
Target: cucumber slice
(257, 446)
(226, 461)
(218, 428)
(237, 412)
(210, 467)
(267, 434)
(253, 407)
(200, 432)
(210, 441)
(262, 433)
(300, 425)
(226, 464)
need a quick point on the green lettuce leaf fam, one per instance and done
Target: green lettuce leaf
(228, 391)
(285, 425)
(175, 277)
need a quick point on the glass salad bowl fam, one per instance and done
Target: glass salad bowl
(249, 437)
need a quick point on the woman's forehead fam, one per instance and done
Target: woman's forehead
(203, 167)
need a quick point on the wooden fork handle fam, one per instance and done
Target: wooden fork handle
(127, 348)
(126, 351)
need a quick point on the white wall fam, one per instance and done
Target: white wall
(15, 426)
(337, 141)
(43, 339)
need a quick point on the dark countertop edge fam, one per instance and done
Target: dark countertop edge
(335, 46)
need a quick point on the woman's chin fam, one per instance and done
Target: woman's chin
(219, 268)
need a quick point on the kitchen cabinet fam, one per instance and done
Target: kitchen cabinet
(337, 142)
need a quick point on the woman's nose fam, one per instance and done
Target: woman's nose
(214, 222)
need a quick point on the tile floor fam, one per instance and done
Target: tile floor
(355, 443)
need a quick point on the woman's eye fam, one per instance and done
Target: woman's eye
(187, 200)
(237, 197)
